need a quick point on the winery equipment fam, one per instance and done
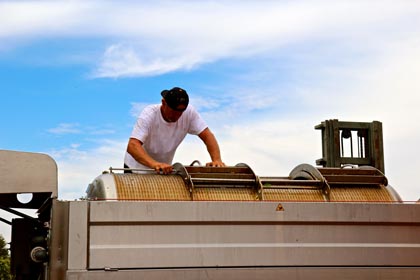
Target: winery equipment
(340, 220)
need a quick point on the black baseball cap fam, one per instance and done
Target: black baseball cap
(175, 97)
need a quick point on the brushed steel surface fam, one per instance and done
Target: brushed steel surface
(59, 239)
(23, 172)
(78, 235)
(157, 234)
(31, 173)
(207, 211)
(269, 273)
(231, 240)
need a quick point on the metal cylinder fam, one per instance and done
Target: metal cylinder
(39, 254)
(239, 183)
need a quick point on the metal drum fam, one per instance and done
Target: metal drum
(239, 183)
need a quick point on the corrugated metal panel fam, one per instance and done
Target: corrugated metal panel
(172, 187)
(344, 185)
(236, 194)
(372, 194)
(293, 195)
(151, 187)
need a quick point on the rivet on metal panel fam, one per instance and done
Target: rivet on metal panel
(279, 207)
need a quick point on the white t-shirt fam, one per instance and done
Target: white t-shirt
(161, 138)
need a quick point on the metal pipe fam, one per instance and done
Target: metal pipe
(278, 181)
(222, 180)
(19, 214)
(149, 170)
(5, 221)
(292, 187)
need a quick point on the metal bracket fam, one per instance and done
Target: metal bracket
(258, 184)
(180, 170)
(307, 171)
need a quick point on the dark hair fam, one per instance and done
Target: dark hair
(175, 97)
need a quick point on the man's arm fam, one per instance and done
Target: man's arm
(136, 150)
(212, 147)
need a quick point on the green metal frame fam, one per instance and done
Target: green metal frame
(370, 144)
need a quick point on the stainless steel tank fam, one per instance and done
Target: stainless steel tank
(239, 183)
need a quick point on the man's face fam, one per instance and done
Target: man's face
(171, 115)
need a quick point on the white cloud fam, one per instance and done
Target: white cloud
(30, 19)
(151, 39)
(78, 167)
(122, 60)
(75, 128)
(65, 128)
(232, 30)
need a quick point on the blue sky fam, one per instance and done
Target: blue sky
(74, 74)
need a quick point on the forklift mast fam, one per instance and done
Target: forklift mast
(351, 143)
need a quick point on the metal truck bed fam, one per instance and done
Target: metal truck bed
(230, 240)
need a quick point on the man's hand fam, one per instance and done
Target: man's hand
(212, 147)
(164, 168)
(216, 163)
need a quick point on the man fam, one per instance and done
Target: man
(161, 128)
